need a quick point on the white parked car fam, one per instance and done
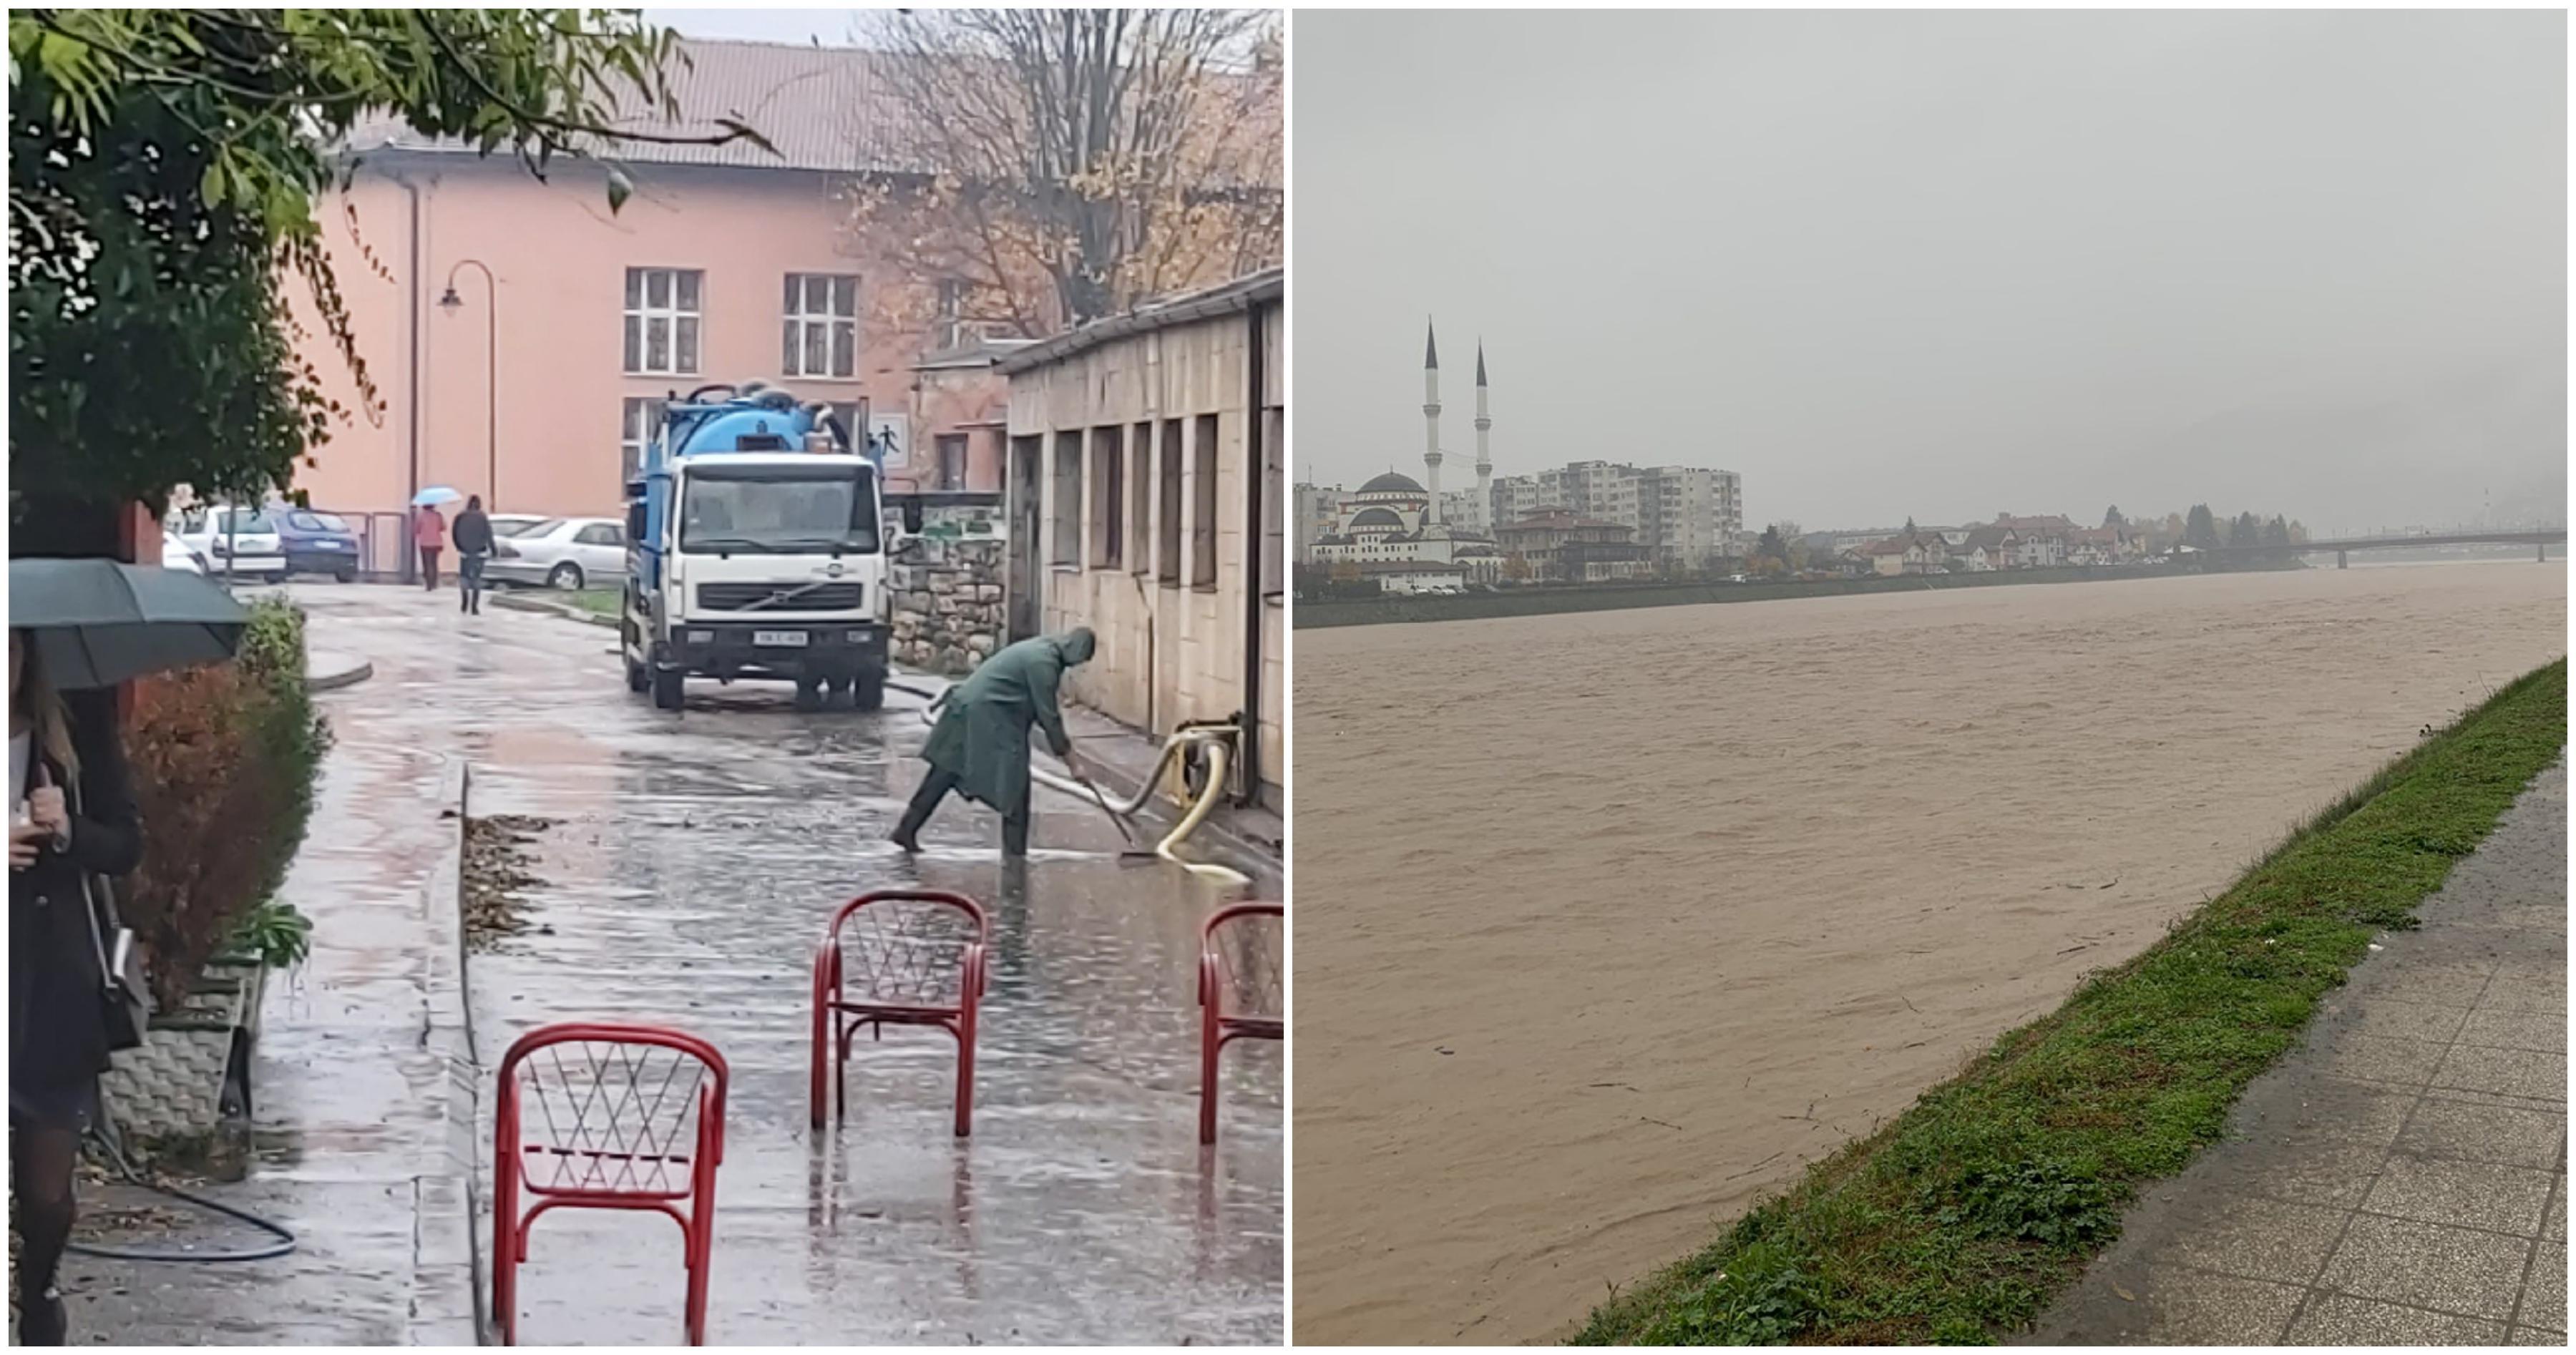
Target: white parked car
(511, 524)
(235, 541)
(560, 553)
(175, 555)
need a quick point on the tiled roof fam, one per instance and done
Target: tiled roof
(824, 108)
(982, 353)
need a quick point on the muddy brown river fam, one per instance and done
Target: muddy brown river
(1608, 922)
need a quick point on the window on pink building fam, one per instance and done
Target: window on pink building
(946, 333)
(664, 308)
(642, 419)
(820, 335)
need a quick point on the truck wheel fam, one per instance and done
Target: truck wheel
(639, 679)
(666, 689)
(809, 693)
(868, 692)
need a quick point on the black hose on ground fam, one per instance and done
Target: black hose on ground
(284, 1244)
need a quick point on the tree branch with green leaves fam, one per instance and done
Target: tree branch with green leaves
(165, 170)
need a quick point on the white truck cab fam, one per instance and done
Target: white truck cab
(757, 549)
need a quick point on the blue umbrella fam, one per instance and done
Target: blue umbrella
(98, 622)
(435, 494)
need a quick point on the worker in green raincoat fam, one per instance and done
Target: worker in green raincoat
(980, 747)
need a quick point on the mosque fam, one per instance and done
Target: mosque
(1397, 519)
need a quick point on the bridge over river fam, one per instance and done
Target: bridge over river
(2539, 539)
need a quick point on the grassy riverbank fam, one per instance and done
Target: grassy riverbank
(1960, 1218)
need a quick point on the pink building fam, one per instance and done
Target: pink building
(728, 263)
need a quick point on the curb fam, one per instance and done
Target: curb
(544, 608)
(332, 682)
(449, 1265)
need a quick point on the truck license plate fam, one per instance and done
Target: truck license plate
(779, 639)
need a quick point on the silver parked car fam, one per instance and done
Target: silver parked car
(560, 553)
(236, 542)
(176, 555)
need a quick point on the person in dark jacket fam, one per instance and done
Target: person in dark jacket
(473, 547)
(980, 747)
(74, 819)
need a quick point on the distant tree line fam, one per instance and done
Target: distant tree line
(1342, 582)
(2203, 530)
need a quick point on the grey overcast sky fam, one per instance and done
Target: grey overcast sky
(832, 26)
(1947, 264)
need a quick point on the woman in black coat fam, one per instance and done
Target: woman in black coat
(73, 818)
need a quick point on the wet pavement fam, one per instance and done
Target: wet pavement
(361, 1130)
(2400, 1178)
(692, 863)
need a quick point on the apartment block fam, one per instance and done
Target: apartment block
(1683, 516)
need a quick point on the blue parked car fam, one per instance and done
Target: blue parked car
(317, 543)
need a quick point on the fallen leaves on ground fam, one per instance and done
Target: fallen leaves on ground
(497, 865)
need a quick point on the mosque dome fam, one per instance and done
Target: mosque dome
(1376, 517)
(1392, 483)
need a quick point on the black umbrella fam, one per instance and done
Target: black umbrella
(97, 623)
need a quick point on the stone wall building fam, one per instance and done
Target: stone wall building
(1147, 500)
(951, 608)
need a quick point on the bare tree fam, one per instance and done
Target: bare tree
(1073, 163)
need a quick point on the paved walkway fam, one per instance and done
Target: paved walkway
(363, 1100)
(2400, 1179)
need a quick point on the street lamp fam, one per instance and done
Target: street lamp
(491, 369)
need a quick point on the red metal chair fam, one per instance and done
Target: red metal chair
(897, 957)
(599, 1116)
(1241, 996)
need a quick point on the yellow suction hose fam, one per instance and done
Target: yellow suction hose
(1215, 737)
(1190, 822)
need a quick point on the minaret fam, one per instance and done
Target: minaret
(1431, 420)
(1484, 449)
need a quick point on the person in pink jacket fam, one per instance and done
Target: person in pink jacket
(429, 532)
